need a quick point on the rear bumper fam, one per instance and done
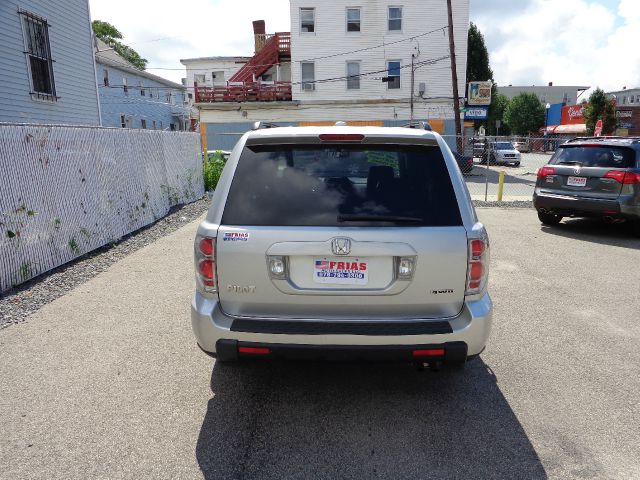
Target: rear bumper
(219, 334)
(584, 207)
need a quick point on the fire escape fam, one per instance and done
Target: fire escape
(246, 84)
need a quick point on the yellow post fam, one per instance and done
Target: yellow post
(500, 185)
(203, 138)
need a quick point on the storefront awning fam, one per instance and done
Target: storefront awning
(572, 128)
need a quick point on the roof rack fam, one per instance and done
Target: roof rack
(605, 138)
(260, 125)
(422, 125)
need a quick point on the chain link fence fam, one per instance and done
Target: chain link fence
(65, 191)
(503, 168)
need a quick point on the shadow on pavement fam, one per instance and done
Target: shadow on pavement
(311, 420)
(596, 230)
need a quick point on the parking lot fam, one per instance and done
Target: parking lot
(106, 381)
(519, 182)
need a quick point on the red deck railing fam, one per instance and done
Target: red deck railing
(244, 92)
(276, 47)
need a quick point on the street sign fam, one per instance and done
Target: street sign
(476, 113)
(598, 130)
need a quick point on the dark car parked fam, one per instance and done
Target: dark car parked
(591, 177)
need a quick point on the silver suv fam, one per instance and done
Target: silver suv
(342, 242)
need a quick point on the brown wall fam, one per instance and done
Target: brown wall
(628, 115)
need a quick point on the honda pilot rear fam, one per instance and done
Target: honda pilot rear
(342, 242)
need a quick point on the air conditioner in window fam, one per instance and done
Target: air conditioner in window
(308, 87)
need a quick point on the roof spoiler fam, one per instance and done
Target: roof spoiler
(419, 125)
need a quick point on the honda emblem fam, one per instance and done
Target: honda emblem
(341, 246)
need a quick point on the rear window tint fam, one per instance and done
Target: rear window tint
(294, 185)
(595, 156)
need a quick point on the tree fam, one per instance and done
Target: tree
(600, 108)
(524, 114)
(111, 36)
(478, 68)
(496, 112)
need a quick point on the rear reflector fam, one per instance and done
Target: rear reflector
(341, 137)
(254, 350)
(429, 352)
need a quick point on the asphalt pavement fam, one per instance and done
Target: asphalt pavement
(107, 382)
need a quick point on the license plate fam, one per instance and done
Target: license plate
(577, 181)
(343, 271)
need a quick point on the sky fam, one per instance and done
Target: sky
(531, 42)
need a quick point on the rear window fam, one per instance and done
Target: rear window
(594, 156)
(341, 185)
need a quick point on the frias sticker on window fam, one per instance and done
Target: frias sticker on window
(235, 237)
(350, 271)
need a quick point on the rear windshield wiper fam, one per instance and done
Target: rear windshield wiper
(377, 218)
(569, 162)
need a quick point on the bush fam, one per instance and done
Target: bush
(213, 165)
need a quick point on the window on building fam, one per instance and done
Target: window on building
(393, 72)
(353, 75)
(142, 92)
(631, 99)
(123, 121)
(143, 124)
(308, 76)
(199, 78)
(38, 52)
(395, 19)
(190, 95)
(307, 20)
(217, 77)
(154, 124)
(353, 19)
(125, 85)
(170, 98)
(624, 100)
(172, 127)
(161, 125)
(105, 77)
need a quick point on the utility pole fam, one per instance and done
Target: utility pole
(413, 74)
(454, 73)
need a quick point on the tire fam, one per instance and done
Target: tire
(635, 228)
(549, 218)
(516, 165)
(492, 160)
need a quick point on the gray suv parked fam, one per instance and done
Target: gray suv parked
(591, 177)
(342, 242)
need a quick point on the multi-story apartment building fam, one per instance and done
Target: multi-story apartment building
(361, 62)
(46, 63)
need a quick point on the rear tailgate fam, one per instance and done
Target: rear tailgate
(340, 220)
(592, 171)
(362, 284)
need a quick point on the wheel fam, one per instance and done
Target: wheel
(492, 160)
(517, 164)
(549, 218)
(636, 228)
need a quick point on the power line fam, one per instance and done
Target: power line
(407, 39)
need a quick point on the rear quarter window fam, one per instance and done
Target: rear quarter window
(318, 185)
(595, 156)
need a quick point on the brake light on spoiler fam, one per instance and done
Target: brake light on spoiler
(341, 137)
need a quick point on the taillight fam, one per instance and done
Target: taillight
(205, 258)
(626, 178)
(477, 270)
(544, 171)
(341, 137)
